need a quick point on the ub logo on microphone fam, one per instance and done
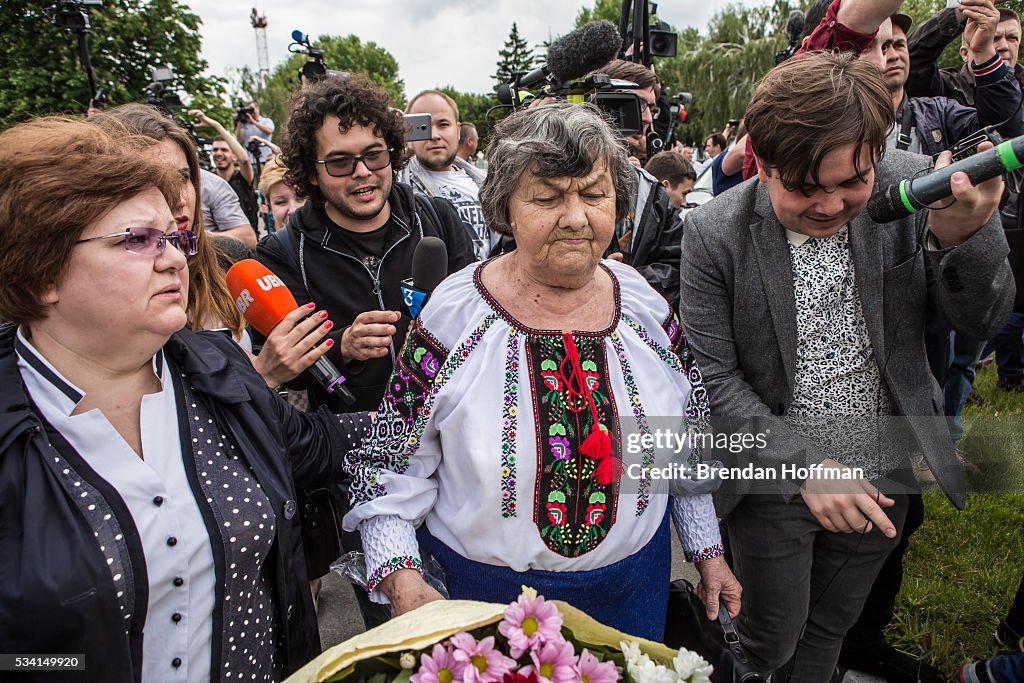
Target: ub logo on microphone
(268, 282)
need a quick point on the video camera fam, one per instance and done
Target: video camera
(569, 74)
(161, 92)
(673, 111)
(242, 115)
(315, 69)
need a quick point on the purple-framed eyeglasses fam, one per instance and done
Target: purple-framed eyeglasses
(151, 241)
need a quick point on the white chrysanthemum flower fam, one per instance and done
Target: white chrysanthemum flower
(646, 671)
(691, 667)
(630, 650)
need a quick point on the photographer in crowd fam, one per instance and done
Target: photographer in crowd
(648, 237)
(249, 124)
(227, 152)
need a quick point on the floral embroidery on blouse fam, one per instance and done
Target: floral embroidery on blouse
(572, 511)
(509, 422)
(644, 485)
(704, 554)
(681, 359)
(423, 369)
(392, 565)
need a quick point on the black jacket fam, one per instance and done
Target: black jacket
(926, 42)
(656, 244)
(57, 595)
(339, 283)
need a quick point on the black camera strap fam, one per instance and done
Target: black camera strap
(903, 138)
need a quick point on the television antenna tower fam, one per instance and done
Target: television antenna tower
(259, 24)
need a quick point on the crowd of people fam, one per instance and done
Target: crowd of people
(159, 457)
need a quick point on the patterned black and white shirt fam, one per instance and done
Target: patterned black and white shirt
(838, 393)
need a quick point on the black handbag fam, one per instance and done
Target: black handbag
(321, 531)
(687, 625)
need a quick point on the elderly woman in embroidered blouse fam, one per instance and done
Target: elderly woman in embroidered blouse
(147, 473)
(500, 434)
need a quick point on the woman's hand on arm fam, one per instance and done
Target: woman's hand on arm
(407, 590)
(718, 582)
(292, 345)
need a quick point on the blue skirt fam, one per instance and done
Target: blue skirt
(630, 595)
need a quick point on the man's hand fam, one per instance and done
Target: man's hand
(846, 505)
(202, 118)
(369, 335)
(292, 345)
(718, 582)
(273, 148)
(407, 590)
(973, 207)
(980, 30)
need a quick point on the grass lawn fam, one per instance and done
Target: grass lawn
(963, 568)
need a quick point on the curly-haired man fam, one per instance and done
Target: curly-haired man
(351, 245)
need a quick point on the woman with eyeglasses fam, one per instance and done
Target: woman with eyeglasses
(297, 342)
(148, 522)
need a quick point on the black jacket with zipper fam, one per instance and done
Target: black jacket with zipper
(315, 268)
(57, 596)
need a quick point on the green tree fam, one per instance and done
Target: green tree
(476, 109)
(43, 73)
(517, 55)
(602, 10)
(722, 69)
(348, 54)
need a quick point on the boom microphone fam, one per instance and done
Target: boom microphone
(577, 53)
(910, 196)
(264, 300)
(429, 267)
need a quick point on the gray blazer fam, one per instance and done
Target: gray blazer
(738, 311)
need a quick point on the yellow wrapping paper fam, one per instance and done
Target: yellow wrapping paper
(435, 621)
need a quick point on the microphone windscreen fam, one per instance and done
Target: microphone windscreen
(586, 49)
(429, 263)
(259, 295)
(887, 206)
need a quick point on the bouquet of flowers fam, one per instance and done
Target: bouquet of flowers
(531, 640)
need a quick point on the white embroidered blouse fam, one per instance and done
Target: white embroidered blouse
(478, 436)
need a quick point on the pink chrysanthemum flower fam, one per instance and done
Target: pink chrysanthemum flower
(528, 622)
(554, 662)
(440, 666)
(482, 663)
(590, 670)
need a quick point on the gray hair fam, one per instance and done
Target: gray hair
(552, 141)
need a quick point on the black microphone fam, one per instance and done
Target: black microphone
(429, 268)
(910, 196)
(577, 53)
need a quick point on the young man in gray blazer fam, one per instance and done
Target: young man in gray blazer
(807, 320)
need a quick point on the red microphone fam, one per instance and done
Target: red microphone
(264, 300)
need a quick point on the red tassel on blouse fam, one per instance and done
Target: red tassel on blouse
(598, 444)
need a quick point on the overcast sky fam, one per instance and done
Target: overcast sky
(436, 42)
